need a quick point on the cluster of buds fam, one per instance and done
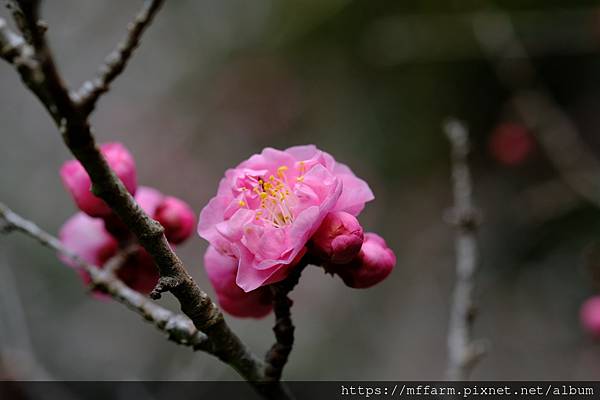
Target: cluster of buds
(360, 259)
(96, 234)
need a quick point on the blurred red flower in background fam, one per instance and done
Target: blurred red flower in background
(511, 143)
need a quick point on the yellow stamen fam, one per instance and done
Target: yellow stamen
(276, 199)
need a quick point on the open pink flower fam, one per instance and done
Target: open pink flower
(268, 207)
(78, 183)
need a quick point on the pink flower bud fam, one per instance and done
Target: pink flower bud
(77, 181)
(221, 271)
(177, 218)
(339, 238)
(589, 315)
(373, 264)
(86, 237)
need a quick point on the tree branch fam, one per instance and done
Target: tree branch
(114, 64)
(463, 353)
(277, 356)
(179, 328)
(45, 81)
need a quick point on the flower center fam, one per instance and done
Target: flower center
(277, 201)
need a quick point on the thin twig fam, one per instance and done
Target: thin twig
(277, 356)
(463, 353)
(179, 328)
(115, 62)
(555, 131)
(74, 126)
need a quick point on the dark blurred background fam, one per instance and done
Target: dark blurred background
(371, 82)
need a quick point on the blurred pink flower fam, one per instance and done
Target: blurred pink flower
(339, 238)
(268, 207)
(77, 180)
(86, 237)
(589, 315)
(372, 265)
(221, 270)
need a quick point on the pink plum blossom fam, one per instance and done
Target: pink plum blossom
(373, 264)
(269, 206)
(221, 270)
(77, 180)
(177, 218)
(590, 316)
(339, 238)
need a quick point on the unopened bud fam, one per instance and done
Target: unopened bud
(373, 264)
(78, 183)
(339, 238)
